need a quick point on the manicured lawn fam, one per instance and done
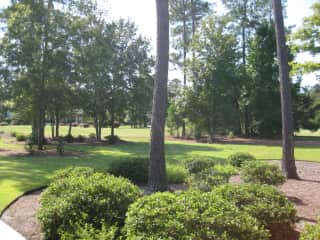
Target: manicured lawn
(20, 174)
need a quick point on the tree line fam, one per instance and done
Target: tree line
(58, 57)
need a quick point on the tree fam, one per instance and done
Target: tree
(288, 161)
(157, 166)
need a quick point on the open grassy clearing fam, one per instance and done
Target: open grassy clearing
(20, 174)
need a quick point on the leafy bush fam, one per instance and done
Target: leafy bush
(21, 137)
(13, 134)
(238, 159)
(92, 135)
(73, 172)
(190, 215)
(81, 138)
(93, 199)
(311, 232)
(69, 138)
(261, 173)
(4, 124)
(196, 165)
(30, 146)
(209, 178)
(112, 139)
(135, 169)
(176, 174)
(263, 202)
(88, 232)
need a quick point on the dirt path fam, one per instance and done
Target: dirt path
(304, 193)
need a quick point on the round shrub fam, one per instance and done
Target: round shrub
(190, 215)
(73, 172)
(176, 174)
(69, 138)
(264, 203)
(84, 199)
(112, 139)
(196, 165)
(262, 173)
(21, 137)
(135, 169)
(238, 159)
(311, 232)
(209, 178)
(13, 134)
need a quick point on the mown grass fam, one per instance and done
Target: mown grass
(20, 174)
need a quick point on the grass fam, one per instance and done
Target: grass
(20, 174)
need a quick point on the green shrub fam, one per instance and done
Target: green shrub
(311, 232)
(135, 169)
(261, 173)
(92, 135)
(13, 134)
(209, 178)
(21, 137)
(69, 138)
(196, 165)
(176, 174)
(88, 232)
(263, 202)
(73, 172)
(190, 215)
(86, 199)
(238, 159)
(30, 146)
(81, 138)
(112, 139)
(60, 146)
(4, 124)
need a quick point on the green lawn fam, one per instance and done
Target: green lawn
(20, 174)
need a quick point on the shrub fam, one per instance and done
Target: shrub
(86, 199)
(69, 138)
(73, 172)
(238, 159)
(30, 146)
(21, 137)
(261, 173)
(92, 135)
(311, 232)
(81, 138)
(88, 232)
(13, 134)
(4, 124)
(60, 146)
(196, 165)
(112, 139)
(190, 215)
(135, 169)
(263, 202)
(176, 174)
(209, 178)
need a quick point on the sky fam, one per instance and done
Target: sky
(143, 13)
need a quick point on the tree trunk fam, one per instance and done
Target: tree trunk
(288, 161)
(157, 167)
(52, 125)
(57, 124)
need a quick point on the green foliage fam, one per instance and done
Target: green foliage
(135, 169)
(30, 146)
(79, 199)
(209, 178)
(4, 123)
(261, 173)
(88, 232)
(237, 159)
(112, 139)
(21, 137)
(311, 232)
(73, 172)
(190, 215)
(81, 138)
(199, 164)
(176, 174)
(13, 134)
(69, 138)
(263, 202)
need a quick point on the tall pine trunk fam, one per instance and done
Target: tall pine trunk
(57, 123)
(288, 161)
(157, 167)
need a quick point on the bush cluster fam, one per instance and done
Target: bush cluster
(311, 232)
(190, 215)
(262, 202)
(196, 165)
(69, 138)
(135, 169)
(262, 173)
(21, 137)
(238, 159)
(112, 139)
(80, 197)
